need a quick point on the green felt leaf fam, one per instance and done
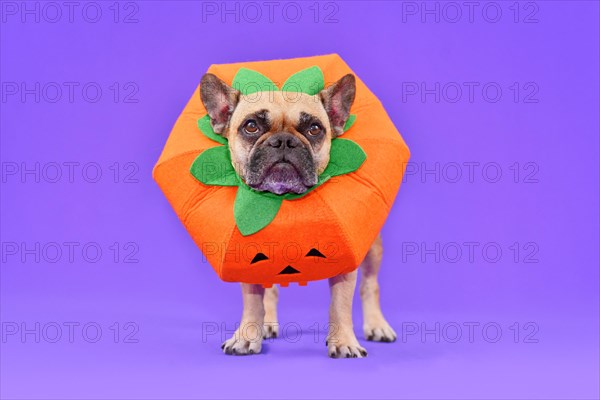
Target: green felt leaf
(253, 211)
(309, 81)
(207, 129)
(345, 156)
(248, 81)
(213, 167)
(349, 122)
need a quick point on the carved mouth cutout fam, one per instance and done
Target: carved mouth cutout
(289, 270)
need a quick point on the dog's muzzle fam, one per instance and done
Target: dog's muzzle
(282, 164)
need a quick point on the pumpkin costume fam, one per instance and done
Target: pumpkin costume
(264, 238)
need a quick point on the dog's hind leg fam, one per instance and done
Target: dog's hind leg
(375, 326)
(271, 326)
(247, 339)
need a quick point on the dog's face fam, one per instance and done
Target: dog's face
(279, 141)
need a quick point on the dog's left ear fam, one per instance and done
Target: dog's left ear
(337, 100)
(219, 100)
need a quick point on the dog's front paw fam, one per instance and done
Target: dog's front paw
(246, 340)
(344, 345)
(379, 331)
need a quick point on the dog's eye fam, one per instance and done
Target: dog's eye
(251, 126)
(314, 130)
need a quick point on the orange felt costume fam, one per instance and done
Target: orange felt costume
(322, 234)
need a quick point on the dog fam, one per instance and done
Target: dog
(281, 146)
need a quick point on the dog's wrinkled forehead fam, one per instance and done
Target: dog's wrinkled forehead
(280, 111)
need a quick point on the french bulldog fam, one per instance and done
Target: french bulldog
(280, 144)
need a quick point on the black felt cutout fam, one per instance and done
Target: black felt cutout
(315, 253)
(289, 270)
(259, 257)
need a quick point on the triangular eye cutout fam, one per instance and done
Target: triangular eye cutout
(258, 257)
(315, 253)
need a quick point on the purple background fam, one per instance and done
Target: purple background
(550, 49)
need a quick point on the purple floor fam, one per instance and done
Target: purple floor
(171, 349)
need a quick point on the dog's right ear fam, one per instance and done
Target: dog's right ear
(219, 100)
(337, 100)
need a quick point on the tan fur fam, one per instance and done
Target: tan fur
(271, 325)
(375, 326)
(247, 339)
(341, 340)
(284, 109)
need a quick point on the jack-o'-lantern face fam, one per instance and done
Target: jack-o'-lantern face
(283, 263)
(291, 262)
(289, 270)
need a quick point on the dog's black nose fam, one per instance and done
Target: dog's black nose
(283, 140)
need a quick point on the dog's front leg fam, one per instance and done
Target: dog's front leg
(341, 340)
(247, 339)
